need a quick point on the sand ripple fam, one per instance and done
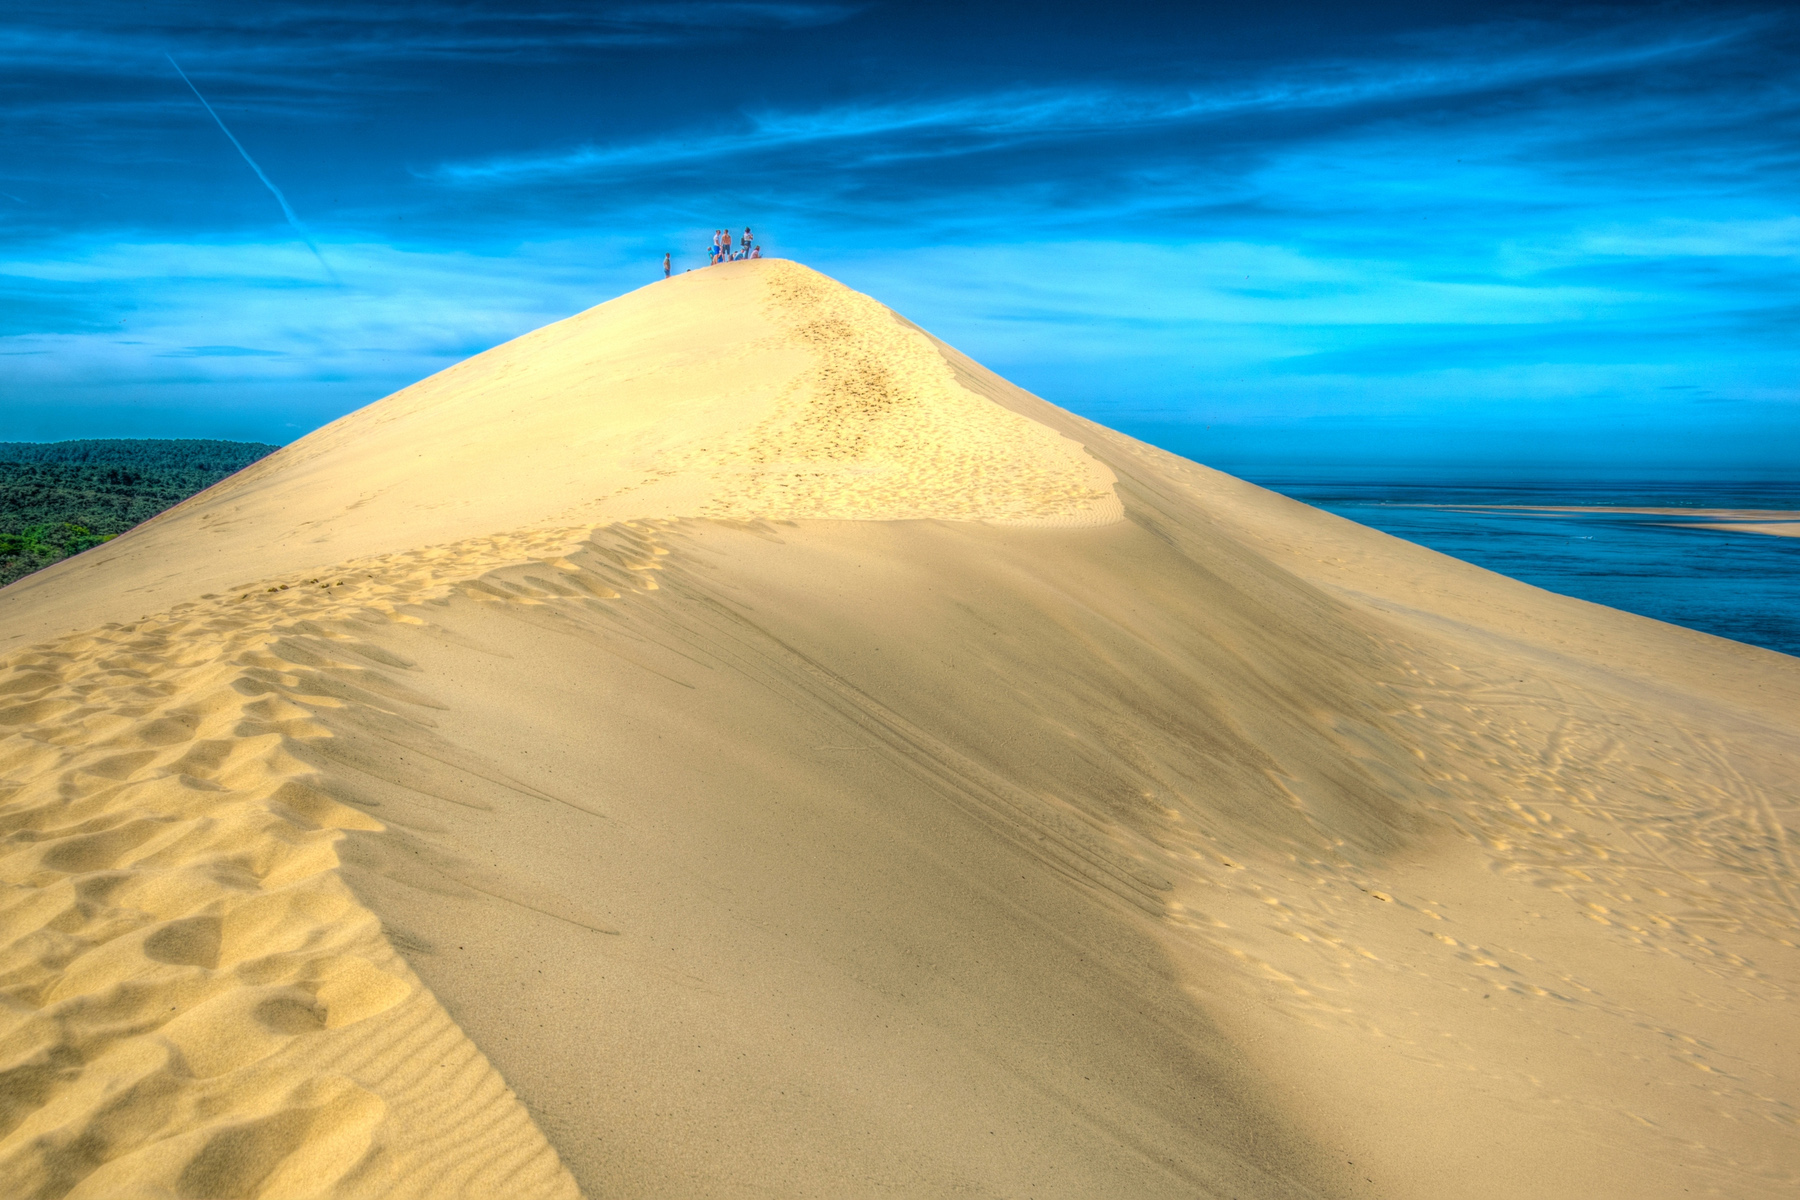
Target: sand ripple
(192, 1002)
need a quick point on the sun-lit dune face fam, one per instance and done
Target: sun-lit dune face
(751, 390)
(757, 389)
(730, 743)
(877, 427)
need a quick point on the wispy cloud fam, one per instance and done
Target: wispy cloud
(292, 39)
(1774, 238)
(216, 336)
(1583, 212)
(221, 352)
(979, 122)
(287, 210)
(730, 14)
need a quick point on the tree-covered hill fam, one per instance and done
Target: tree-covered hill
(60, 498)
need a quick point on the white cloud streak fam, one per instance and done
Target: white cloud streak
(292, 40)
(968, 124)
(287, 209)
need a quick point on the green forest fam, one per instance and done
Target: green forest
(60, 498)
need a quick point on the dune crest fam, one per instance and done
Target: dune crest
(752, 389)
(731, 743)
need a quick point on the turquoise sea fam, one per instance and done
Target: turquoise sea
(1739, 585)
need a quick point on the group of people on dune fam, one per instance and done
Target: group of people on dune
(722, 251)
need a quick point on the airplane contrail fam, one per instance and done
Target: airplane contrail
(280, 199)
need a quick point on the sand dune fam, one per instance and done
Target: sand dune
(729, 743)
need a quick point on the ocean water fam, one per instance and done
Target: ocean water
(1744, 586)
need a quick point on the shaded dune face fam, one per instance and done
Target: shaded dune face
(729, 743)
(861, 876)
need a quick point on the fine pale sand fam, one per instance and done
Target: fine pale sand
(1790, 528)
(728, 743)
(1736, 513)
(1773, 522)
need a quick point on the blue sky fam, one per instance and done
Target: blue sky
(1500, 236)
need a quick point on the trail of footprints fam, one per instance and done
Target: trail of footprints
(880, 429)
(1670, 840)
(191, 1000)
(192, 1003)
(1668, 855)
(1669, 846)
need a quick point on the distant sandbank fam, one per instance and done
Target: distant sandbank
(1775, 522)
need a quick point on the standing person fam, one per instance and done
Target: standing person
(713, 257)
(747, 240)
(665, 264)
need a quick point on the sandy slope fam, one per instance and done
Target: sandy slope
(804, 764)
